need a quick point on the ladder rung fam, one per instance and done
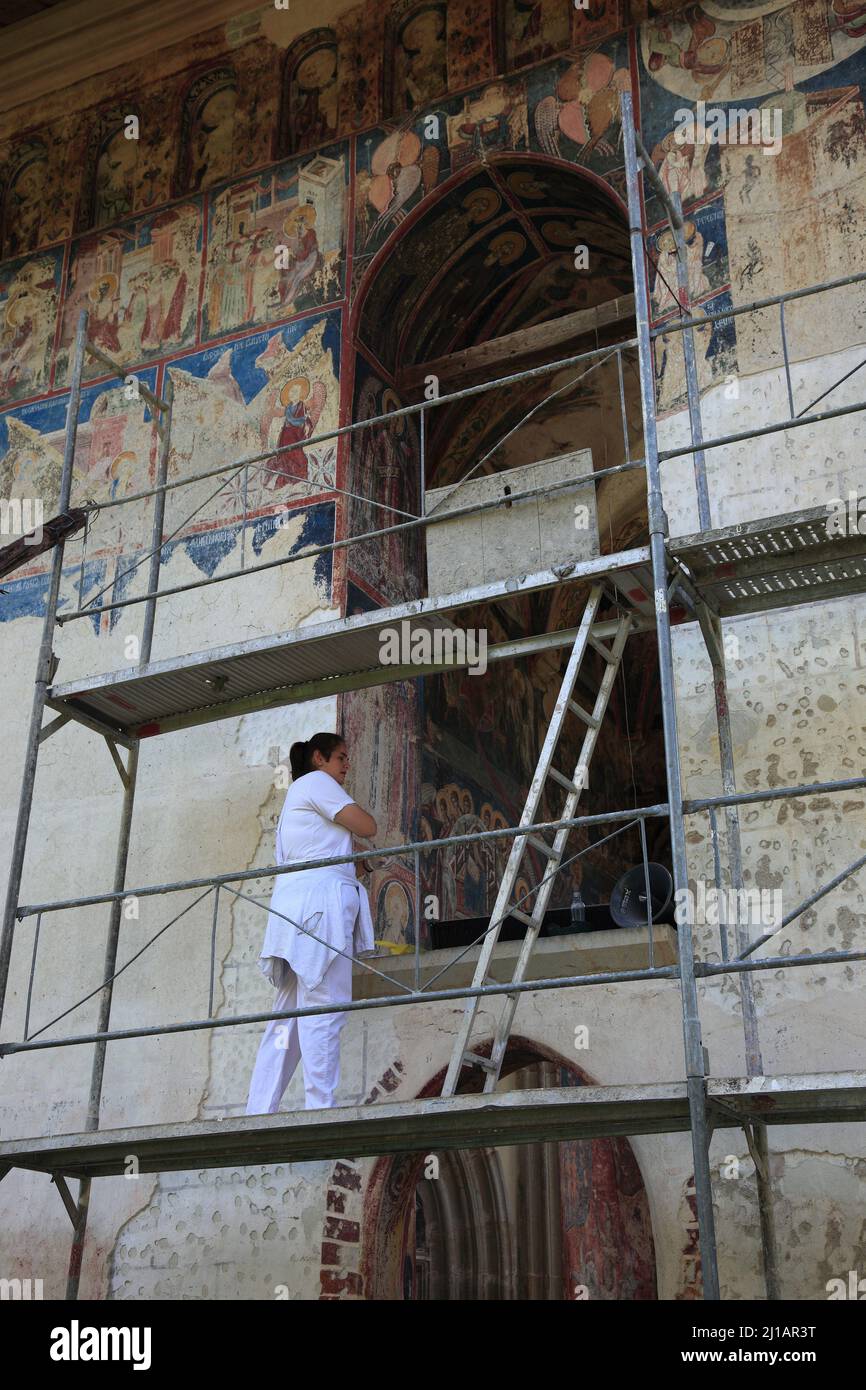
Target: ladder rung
(523, 917)
(475, 1059)
(543, 846)
(602, 650)
(583, 714)
(564, 781)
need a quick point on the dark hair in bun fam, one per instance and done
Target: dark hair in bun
(301, 754)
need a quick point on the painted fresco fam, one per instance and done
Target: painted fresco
(29, 299)
(311, 91)
(418, 52)
(725, 51)
(471, 46)
(34, 205)
(568, 110)
(115, 456)
(495, 254)
(382, 729)
(533, 29)
(250, 542)
(607, 1234)
(579, 119)
(115, 163)
(207, 130)
(269, 391)
(384, 480)
(360, 71)
(299, 207)
(806, 61)
(464, 878)
(139, 284)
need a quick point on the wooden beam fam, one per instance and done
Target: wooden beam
(513, 346)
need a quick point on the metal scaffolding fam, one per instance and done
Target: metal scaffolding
(703, 578)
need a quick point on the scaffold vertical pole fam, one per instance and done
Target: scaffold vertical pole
(692, 386)
(711, 628)
(122, 853)
(693, 1047)
(44, 668)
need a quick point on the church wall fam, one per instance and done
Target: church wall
(168, 241)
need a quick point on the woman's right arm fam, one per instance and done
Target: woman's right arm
(356, 819)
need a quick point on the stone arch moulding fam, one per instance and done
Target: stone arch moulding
(532, 160)
(446, 188)
(394, 1178)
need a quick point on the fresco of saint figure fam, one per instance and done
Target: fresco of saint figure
(313, 99)
(534, 29)
(682, 168)
(104, 308)
(303, 252)
(23, 208)
(28, 305)
(115, 179)
(420, 62)
(302, 406)
(211, 139)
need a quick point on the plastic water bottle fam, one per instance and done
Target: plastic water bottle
(578, 911)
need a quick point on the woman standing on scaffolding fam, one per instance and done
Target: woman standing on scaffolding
(315, 915)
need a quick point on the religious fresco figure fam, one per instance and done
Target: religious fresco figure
(303, 249)
(420, 72)
(207, 130)
(682, 167)
(584, 107)
(311, 92)
(114, 179)
(302, 405)
(28, 304)
(24, 203)
(104, 310)
(532, 29)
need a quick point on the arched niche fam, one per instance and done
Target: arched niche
(110, 167)
(474, 280)
(309, 103)
(416, 55)
(545, 1221)
(23, 188)
(207, 129)
(528, 31)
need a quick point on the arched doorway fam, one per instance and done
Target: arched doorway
(545, 1221)
(481, 279)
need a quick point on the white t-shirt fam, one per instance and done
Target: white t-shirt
(306, 828)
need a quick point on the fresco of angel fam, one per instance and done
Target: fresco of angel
(299, 406)
(584, 107)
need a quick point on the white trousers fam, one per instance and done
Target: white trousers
(316, 1039)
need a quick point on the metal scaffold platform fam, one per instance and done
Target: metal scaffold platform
(705, 578)
(440, 1123)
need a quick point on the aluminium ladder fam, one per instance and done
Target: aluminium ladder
(463, 1055)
